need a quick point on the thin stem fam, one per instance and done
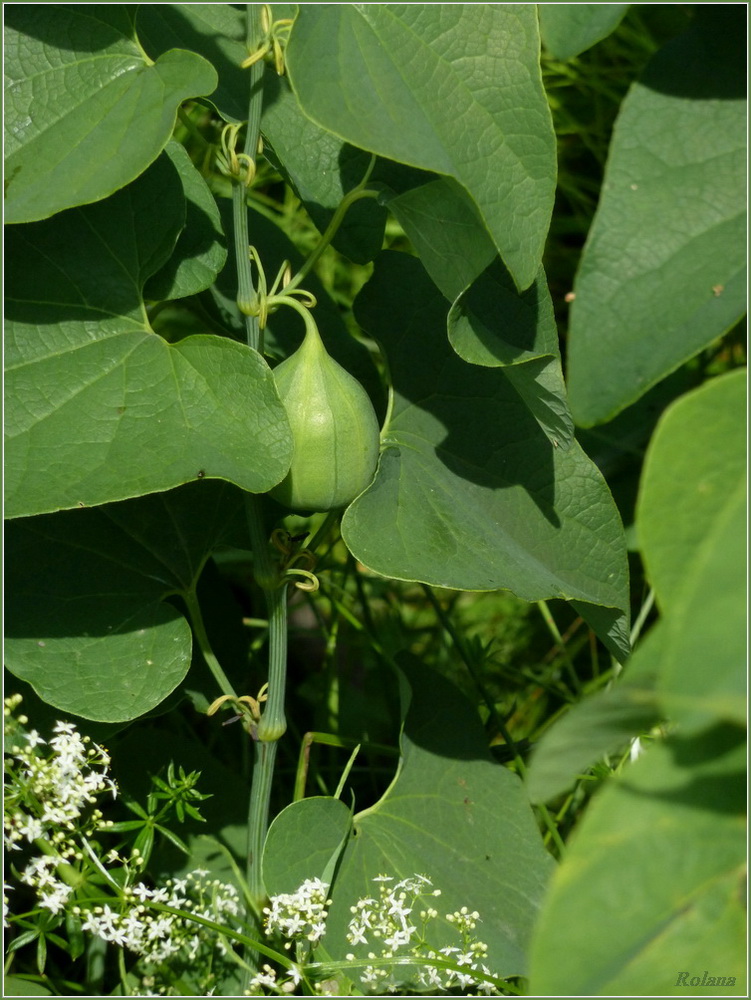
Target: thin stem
(642, 616)
(245, 289)
(554, 631)
(199, 630)
(265, 750)
(331, 230)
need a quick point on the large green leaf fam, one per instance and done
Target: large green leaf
(695, 463)
(455, 89)
(456, 816)
(652, 885)
(696, 469)
(88, 626)
(663, 271)
(569, 28)
(469, 493)
(76, 81)
(99, 408)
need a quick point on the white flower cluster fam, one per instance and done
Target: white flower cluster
(390, 920)
(49, 807)
(299, 915)
(48, 798)
(396, 920)
(269, 979)
(159, 937)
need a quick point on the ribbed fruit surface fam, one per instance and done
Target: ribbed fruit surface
(335, 430)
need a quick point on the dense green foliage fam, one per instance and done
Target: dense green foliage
(511, 655)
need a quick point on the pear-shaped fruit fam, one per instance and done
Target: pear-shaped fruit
(335, 431)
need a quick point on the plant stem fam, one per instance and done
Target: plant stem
(273, 723)
(554, 631)
(199, 631)
(245, 289)
(331, 230)
(258, 818)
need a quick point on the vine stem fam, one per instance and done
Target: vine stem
(199, 631)
(356, 194)
(264, 569)
(245, 289)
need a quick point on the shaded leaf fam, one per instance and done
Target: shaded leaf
(447, 231)
(663, 271)
(99, 407)
(469, 493)
(214, 30)
(567, 29)
(322, 169)
(454, 815)
(489, 323)
(305, 841)
(455, 89)
(201, 249)
(70, 107)
(88, 626)
(492, 324)
(652, 881)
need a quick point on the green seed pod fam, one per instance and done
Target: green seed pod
(335, 431)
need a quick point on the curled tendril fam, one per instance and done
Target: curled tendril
(304, 556)
(309, 582)
(266, 300)
(275, 37)
(253, 709)
(238, 166)
(282, 540)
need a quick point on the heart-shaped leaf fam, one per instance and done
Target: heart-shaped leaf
(99, 407)
(70, 106)
(455, 89)
(469, 492)
(455, 816)
(88, 626)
